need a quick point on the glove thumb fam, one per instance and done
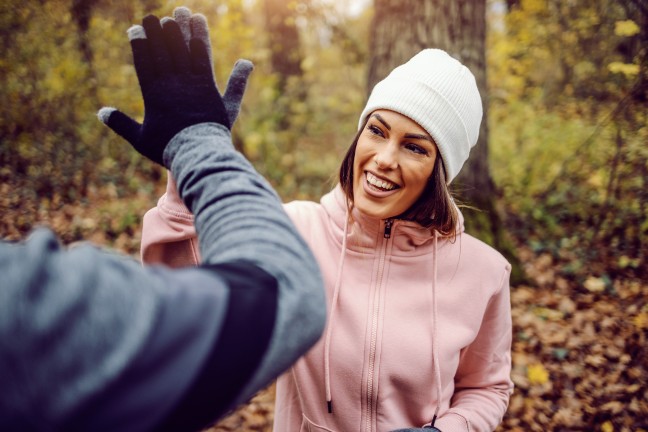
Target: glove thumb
(236, 88)
(122, 124)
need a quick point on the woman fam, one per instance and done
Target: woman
(419, 322)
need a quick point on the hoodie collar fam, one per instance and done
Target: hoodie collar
(365, 231)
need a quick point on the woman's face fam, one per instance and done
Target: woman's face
(393, 160)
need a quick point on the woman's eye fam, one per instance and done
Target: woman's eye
(375, 130)
(416, 149)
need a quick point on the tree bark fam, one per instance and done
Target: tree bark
(283, 34)
(285, 55)
(82, 12)
(400, 29)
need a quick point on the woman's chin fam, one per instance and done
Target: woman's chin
(372, 209)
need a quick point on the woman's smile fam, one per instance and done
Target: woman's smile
(379, 186)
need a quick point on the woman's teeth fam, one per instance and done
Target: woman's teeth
(375, 181)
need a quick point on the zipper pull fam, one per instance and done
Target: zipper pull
(388, 227)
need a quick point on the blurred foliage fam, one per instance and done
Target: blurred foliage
(54, 154)
(56, 74)
(569, 121)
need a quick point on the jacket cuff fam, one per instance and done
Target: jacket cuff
(452, 422)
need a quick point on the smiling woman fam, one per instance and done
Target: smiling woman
(394, 158)
(419, 321)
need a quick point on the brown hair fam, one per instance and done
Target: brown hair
(435, 207)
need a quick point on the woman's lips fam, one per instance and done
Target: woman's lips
(375, 191)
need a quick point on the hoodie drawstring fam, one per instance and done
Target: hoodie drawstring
(435, 350)
(329, 328)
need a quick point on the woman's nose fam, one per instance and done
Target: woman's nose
(387, 158)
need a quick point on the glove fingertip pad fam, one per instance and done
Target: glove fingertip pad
(244, 65)
(104, 114)
(136, 32)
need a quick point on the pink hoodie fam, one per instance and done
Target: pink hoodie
(419, 325)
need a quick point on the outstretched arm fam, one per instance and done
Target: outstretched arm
(93, 341)
(168, 232)
(252, 233)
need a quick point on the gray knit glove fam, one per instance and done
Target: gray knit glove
(177, 86)
(194, 26)
(177, 83)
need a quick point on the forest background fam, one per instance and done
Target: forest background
(567, 101)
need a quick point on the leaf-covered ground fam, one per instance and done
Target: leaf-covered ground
(580, 350)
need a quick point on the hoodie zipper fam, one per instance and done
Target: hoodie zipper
(374, 326)
(388, 227)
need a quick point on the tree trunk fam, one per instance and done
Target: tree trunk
(285, 56)
(283, 36)
(82, 12)
(400, 29)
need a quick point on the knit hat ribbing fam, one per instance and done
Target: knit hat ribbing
(440, 94)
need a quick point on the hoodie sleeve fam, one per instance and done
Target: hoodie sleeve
(168, 232)
(482, 383)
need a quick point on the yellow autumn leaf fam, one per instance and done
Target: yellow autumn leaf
(535, 6)
(627, 69)
(537, 374)
(549, 314)
(624, 261)
(596, 179)
(641, 320)
(594, 284)
(626, 28)
(607, 427)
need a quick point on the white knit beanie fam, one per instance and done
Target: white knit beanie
(440, 94)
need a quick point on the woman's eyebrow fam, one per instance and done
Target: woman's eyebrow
(382, 120)
(419, 136)
(409, 135)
